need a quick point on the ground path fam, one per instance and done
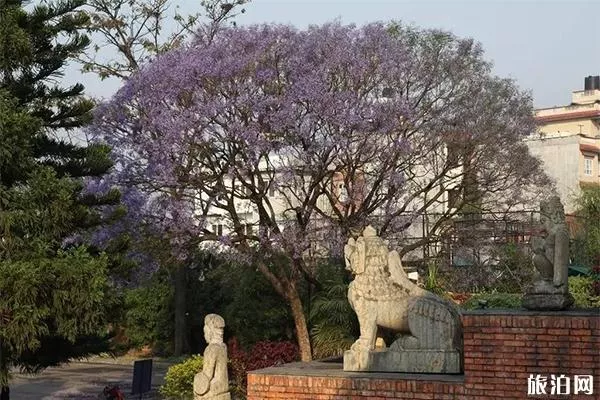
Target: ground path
(81, 381)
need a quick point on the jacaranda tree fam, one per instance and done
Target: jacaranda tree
(298, 138)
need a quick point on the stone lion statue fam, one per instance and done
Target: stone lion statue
(383, 297)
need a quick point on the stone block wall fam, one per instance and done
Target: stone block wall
(502, 349)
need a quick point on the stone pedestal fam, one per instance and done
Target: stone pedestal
(544, 296)
(547, 301)
(409, 361)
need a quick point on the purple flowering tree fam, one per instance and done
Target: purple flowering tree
(278, 143)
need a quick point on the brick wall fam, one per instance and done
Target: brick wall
(501, 348)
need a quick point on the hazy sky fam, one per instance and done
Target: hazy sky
(548, 47)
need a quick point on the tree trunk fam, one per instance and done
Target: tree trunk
(5, 394)
(300, 322)
(288, 291)
(180, 334)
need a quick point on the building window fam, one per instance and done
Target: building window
(588, 163)
(217, 229)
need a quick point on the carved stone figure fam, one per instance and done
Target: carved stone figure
(429, 328)
(551, 259)
(212, 383)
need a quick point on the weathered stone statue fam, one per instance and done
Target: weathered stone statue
(213, 383)
(382, 296)
(551, 259)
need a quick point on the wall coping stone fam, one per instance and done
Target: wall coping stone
(335, 370)
(581, 312)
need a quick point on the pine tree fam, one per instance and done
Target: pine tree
(54, 292)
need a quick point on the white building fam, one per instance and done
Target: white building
(568, 142)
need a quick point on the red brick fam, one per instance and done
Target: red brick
(515, 343)
(504, 336)
(580, 332)
(526, 337)
(492, 330)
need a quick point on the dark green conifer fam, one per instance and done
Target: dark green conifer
(54, 292)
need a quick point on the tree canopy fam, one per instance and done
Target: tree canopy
(316, 133)
(54, 290)
(132, 32)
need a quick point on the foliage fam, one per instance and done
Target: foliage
(335, 326)
(237, 368)
(129, 34)
(250, 318)
(514, 270)
(134, 31)
(586, 247)
(31, 59)
(267, 354)
(148, 314)
(432, 281)
(55, 291)
(334, 323)
(596, 278)
(56, 301)
(509, 270)
(262, 355)
(493, 300)
(213, 286)
(179, 380)
(283, 119)
(582, 290)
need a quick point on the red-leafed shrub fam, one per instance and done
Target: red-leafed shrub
(267, 354)
(262, 355)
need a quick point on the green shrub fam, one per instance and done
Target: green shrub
(148, 314)
(582, 289)
(335, 326)
(493, 300)
(334, 323)
(179, 379)
(250, 317)
(585, 248)
(432, 281)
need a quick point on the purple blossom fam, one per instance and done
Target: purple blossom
(312, 100)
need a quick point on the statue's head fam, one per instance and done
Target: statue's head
(214, 325)
(552, 211)
(369, 249)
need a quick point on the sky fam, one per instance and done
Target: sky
(547, 47)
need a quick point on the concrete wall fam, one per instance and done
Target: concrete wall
(561, 158)
(571, 127)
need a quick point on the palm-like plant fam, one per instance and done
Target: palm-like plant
(335, 326)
